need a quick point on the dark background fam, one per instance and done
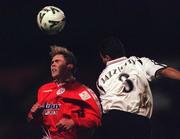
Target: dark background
(147, 28)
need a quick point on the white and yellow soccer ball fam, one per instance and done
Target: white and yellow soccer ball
(51, 19)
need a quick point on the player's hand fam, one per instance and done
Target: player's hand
(35, 112)
(65, 124)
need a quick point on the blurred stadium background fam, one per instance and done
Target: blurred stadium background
(147, 28)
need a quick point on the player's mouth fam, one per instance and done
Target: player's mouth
(53, 70)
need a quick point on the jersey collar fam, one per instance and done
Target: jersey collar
(116, 60)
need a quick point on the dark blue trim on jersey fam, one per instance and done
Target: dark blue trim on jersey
(139, 60)
(156, 73)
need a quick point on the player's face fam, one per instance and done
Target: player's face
(58, 66)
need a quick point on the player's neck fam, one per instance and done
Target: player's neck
(65, 80)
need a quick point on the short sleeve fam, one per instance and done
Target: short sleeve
(151, 67)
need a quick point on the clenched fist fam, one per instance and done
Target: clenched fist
(35, 112)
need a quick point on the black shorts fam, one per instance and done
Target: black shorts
(118, 124)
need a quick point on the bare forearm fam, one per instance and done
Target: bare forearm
(170, 73)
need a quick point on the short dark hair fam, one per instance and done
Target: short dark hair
(112, 46)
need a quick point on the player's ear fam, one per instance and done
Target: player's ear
(70, 66)
(105, 58)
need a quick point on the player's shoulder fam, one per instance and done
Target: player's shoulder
(141, 60)
(49, 85)
(137, 58)
(87, 88)
(80, 86)
(81, 89)
(133, 58)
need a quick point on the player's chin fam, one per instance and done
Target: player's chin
(54, 75)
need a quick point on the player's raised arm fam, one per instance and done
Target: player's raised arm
(170, 72)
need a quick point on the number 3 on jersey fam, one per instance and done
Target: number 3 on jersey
(128, 84)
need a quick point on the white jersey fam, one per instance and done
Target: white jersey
(124, 85)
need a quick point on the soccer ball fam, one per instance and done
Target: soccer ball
(51, 19)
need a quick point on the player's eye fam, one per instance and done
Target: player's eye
(52, 62)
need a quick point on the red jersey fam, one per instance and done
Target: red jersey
(69, 100)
